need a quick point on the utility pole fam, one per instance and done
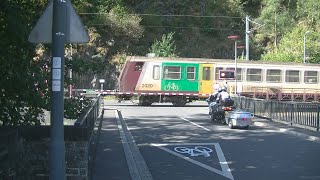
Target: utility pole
(247, 37)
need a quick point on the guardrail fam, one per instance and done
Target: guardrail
(293, 113)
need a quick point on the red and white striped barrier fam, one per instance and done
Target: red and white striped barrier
(110, 92)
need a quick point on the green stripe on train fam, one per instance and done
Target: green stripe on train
(180, 77)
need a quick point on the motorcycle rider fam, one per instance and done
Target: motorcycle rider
(224, 98)
(212, 99)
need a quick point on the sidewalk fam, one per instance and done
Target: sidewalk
(306, 134)
(110, 162)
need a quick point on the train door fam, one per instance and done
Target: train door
(206, 78)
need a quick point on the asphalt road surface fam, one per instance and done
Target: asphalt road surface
(163, 142)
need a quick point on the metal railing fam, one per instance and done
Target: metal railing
(88, 119)
(292, 113)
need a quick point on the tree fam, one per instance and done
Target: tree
(165, 47)
(22, 75)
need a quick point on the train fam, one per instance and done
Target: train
(182, 80)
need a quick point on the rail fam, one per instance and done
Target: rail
(301, 114)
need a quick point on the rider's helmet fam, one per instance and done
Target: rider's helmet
(223, 88)
(220, 89)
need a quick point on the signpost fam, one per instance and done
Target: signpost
(59, 24)
(235, 38)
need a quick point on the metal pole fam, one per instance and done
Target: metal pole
(235, 64)
(101, 87)
(70, 75)
(304, 47)
(57, 147)
(247, 37)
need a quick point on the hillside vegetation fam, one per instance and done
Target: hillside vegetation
(119, 28)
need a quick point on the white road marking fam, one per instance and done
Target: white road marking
(226, 172)
(223, 162)
(195, 124)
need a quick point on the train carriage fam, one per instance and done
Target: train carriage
(182, 80)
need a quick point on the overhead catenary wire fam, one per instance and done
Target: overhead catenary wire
(177, 27)
(171, 15)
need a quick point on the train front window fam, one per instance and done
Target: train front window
(254, 75)
(292, 76)
(206, 73)
(172, 72)
(311, 77)
(138, 66)
(191, 73)
(274, 75)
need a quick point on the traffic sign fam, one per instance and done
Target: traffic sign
(75, 31)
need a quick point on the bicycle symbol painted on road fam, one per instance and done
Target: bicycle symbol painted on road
(197, 151)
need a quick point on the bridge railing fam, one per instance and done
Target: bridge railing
(300, 114)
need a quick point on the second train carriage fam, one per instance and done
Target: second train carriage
(186, 79)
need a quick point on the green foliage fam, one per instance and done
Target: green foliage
(22, 75)
(73, 107)
(165, 47)
(115, 31)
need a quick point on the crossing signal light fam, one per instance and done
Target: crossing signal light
(226, 74)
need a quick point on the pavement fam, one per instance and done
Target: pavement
(113, 161)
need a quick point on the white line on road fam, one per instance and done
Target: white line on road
(195, 124)
(226, 172)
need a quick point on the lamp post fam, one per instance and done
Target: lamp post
(304, 46)
(235, 37)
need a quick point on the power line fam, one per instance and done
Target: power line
(171, 15)
(190, 27)
(177, 27)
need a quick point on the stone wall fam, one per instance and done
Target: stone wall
(24, 152)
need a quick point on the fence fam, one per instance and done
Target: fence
(292, 113)
(89, 122)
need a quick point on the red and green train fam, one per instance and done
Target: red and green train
(173, 80)
(182, 80)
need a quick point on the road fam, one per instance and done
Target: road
(181, 143)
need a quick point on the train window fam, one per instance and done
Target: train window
(239, 74)
(217, 72)
(172, 72)
(274, 75)
(206, 73)
(156, 72)
(311, 77)
(292, 76)
(138, 66)
(191, 73)
(254, 75)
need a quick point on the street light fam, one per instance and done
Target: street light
(235, 37)
(304, 46)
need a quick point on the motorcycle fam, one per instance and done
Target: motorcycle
(220, 110)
